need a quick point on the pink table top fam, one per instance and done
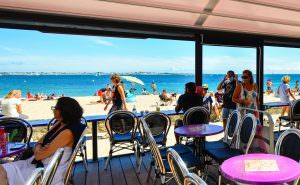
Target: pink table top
(198, 130)
(234, 169)
(10, 153)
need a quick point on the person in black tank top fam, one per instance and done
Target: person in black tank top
(118, 97)
(67, 113)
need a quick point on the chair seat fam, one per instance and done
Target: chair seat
(180, 149)
(118, 138)
(215, 145)
(285, 118)
(220, 155)
(158, 139)
(188, 158)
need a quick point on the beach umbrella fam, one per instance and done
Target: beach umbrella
(132, 79)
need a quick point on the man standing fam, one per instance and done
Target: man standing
(228, 84)
(153, 86)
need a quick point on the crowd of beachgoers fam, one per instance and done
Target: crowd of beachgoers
(32, 107)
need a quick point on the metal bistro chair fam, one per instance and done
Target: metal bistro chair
(230, 132)
(122, 129)
(177, 166)
(287, 145)
(193, 179)
(52, 166)
(159, 124)
(293, 117)
(82, 150)
(162, 168)
(245, 135)
(68, 177)
(36, 177)
(195, 115)
(19, 130)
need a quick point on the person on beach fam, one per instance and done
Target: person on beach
(269, 87)
(65, 133)
(245, 93)
(166, 97)
(186, 101)
(207, 99)
(153, 86)
(11, 104)
(284, 93)
(218, 103)
(118, 95)
(228, 84)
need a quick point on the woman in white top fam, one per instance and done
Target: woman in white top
(11, 104)
(65, 133)
(285, 92)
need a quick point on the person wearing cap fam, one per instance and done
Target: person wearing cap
(207, 100)
(228, 84)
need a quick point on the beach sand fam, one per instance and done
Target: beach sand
(41, 109)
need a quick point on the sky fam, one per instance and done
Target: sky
(33, 51)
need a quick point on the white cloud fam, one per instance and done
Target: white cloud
(10, 49)
(101, 41)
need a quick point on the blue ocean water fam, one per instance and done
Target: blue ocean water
(87, 85)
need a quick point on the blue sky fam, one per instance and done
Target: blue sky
(23, 51)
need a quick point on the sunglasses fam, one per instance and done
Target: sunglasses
(53, 107)
(245, 77)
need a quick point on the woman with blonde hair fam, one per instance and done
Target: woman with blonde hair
(11, 104)
(118, 95)
(285, 92)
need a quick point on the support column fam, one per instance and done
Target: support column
(260, 76)
(198, 60)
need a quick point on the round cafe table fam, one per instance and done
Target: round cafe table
(198, 131)
(13, 149)
(285, 170)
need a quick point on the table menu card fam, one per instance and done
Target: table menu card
(261, 165)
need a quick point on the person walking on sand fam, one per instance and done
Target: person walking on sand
(153, 86)
(296, 88)
(285, 92)
(269, 87)
(118, 95)
(228, 84)
(11, 104)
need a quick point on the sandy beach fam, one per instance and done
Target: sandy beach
(40, 109)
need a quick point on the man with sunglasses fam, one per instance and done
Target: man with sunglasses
(229, 85)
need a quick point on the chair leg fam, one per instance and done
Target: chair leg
(108, 157)
(163, 179)
(141, 153)
(149, 172)
(84, 158)
(219, 178)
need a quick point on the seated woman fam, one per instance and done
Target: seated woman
(65, 133)
(11, 104)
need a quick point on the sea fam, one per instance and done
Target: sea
(88, 85)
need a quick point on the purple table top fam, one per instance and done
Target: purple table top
(10, 153)
(234, 169)
(198, 130)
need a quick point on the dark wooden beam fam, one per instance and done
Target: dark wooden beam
(260, 76)
(198, 60)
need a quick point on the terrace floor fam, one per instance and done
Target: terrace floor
(122, 171)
